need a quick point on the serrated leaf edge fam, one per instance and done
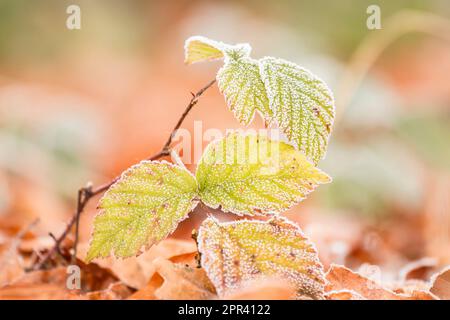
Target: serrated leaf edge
(258, 212)
(123, 175)
(313, 76)
(274, 219)
(226, 49)
(267, 118)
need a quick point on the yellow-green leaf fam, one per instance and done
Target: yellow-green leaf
(199, 48)
(244, 91)
(254, 175)
(302, 105)
(236, 252)
(143, 207)
(284, 93)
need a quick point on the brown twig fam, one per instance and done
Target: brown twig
(88, 192)
(58, 249)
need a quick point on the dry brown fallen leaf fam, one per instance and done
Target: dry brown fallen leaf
(441, 284)
(11, 262)
(55, 291)
(148, 292)
(137, 271)
(95, 277)
(342, 278)
(421, 269)
(11, 265)
(39, 285)
(175, 281)
(115, 291)
(39, 291)
(411, 287)
(186, 258)
(343, 295)
(263, 289)
(97, 283)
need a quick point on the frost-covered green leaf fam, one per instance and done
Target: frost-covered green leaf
(284, 93)
(244, 91)
(255, 175)
(199, 48)
(142, 208)
(235, 252)
(238, 79)
(302, 105)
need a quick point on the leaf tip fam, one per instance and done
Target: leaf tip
(199, 48)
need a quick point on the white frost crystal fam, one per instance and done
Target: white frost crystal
(282, 92)
(233, 253)
(253, 175)
(143, 207)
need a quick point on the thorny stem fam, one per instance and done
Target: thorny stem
(51, 235)
(88, 192)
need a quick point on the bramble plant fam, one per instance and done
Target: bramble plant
(243, 174)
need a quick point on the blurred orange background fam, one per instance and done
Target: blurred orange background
(83, 105)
